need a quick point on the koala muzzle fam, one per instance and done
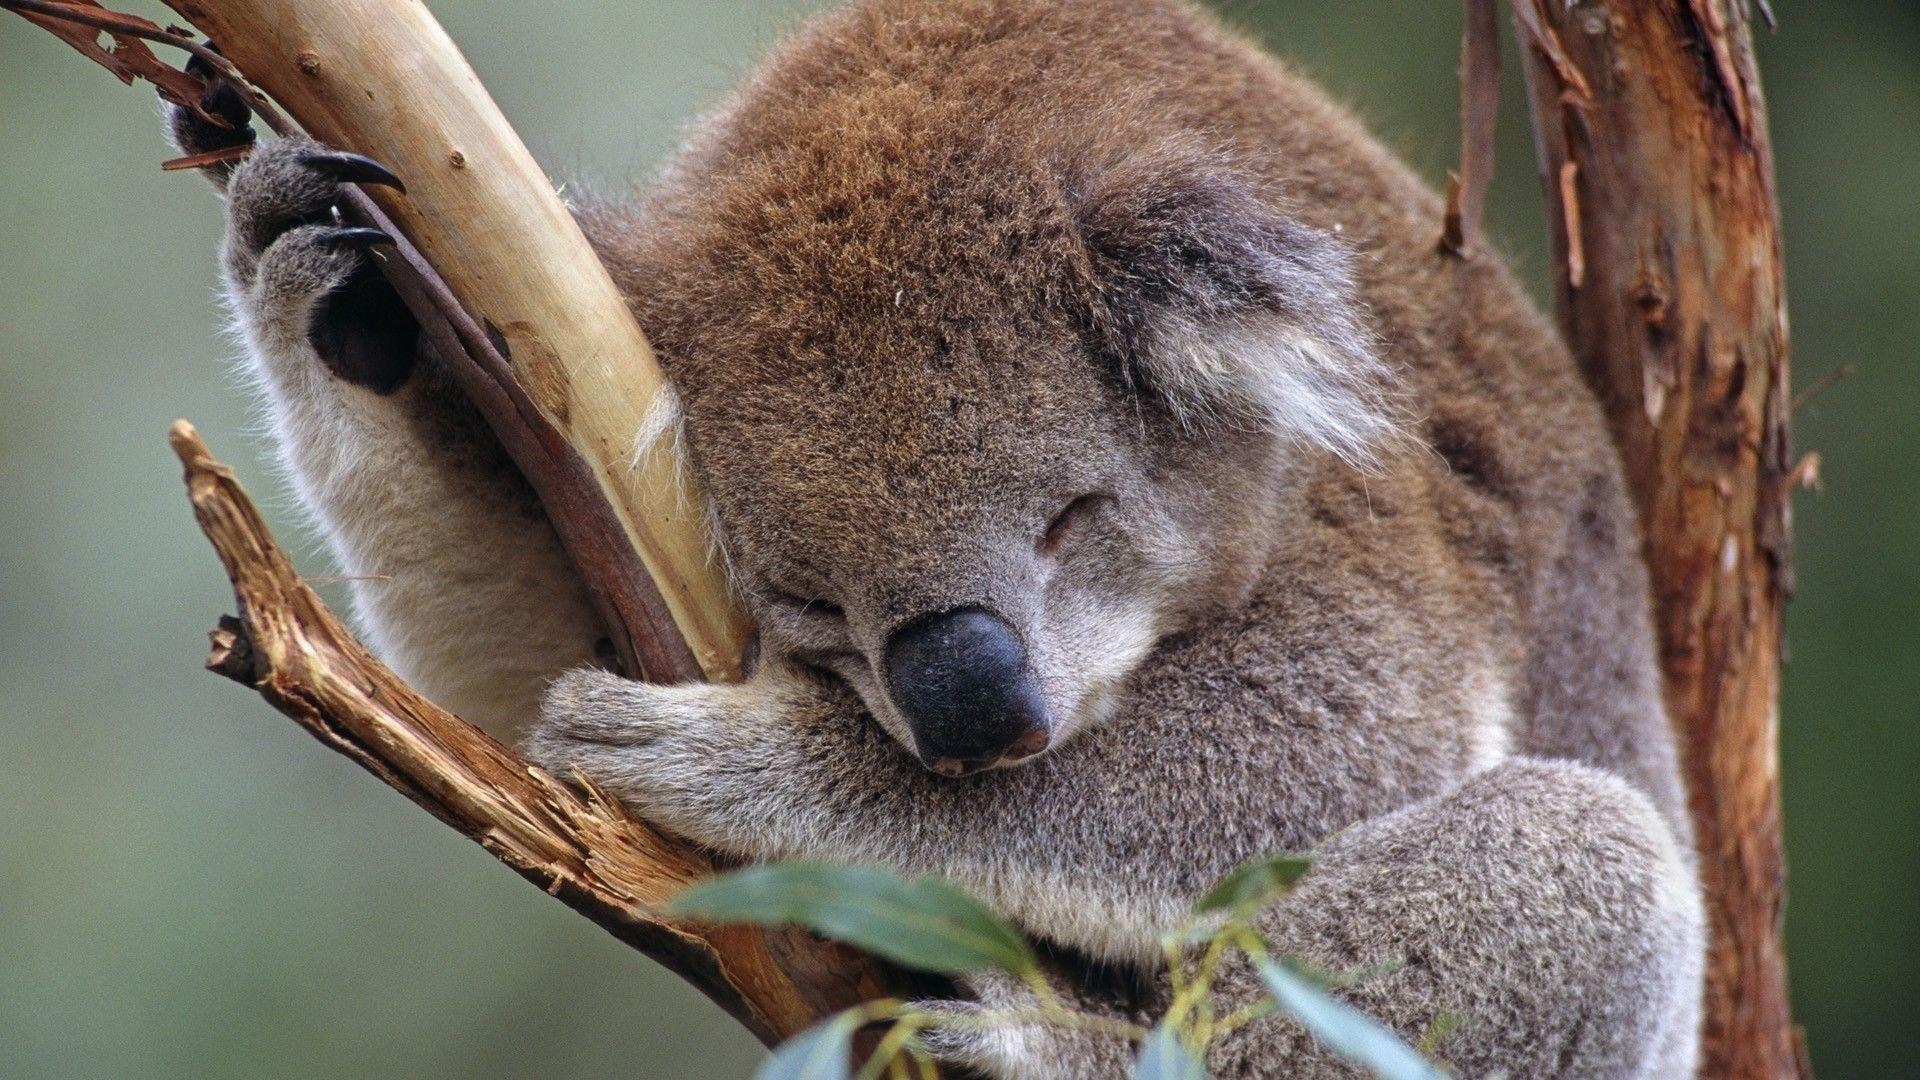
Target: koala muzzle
(960, 678)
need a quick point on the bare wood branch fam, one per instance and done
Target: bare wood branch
(580, 846)
(612, 567)
(1659, 180)
(516, 301)
(1653, 134)
(79, 23)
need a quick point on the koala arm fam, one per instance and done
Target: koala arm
(457, 578)
(1100, 845)
(788, 766)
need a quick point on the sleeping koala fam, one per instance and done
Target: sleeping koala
(1123, 487)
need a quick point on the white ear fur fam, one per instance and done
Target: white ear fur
(1323, 387)
(1228, 310)
(659, 427)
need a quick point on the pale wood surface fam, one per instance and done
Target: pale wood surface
(1659, 181)
(497, 270)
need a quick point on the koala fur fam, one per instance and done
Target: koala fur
(1087, 319)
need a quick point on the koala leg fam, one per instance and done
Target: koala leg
(458, 580)
(1544, 907)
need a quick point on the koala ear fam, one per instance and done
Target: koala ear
(1227, 311)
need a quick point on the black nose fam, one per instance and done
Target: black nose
(961, 679)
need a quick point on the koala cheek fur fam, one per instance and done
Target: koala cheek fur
(1086, 321)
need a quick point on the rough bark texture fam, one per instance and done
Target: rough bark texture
(1659, 181)
(1479, 114)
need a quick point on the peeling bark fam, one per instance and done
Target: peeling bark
(1659, 181)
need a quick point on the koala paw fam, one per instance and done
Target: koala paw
(1005, 1032)
(307, 278)
(669, 752)
(974, 1036)
(966, 1035)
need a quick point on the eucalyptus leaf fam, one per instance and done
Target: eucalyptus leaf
(1253, 884)
(1164, 1056)
(822, 1052)
(1348, 1031)
(922, 923)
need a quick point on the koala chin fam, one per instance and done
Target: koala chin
(1123, 487)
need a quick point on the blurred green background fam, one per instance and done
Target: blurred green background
(189, 886)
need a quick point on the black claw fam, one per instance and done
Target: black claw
(197, 66)
(355, 238)
(221, 100)
(350, 168)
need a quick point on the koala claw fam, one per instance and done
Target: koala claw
(356, 238)
(232, 119)
(287, 249)
(343, 167)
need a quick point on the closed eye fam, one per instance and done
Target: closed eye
(820, 609)
(1064, 523)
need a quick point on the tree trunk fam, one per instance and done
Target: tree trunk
(1659, 181)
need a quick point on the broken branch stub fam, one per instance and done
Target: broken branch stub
(532, 327)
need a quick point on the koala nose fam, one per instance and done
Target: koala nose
(961, 679)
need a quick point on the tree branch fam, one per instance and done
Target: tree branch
(1479, 115)
(1658, 174)
(527, 320)
(559, 367)
(578, 844)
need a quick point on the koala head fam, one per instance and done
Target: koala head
(981, 421)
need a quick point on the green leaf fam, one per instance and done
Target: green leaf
(923, 923)
(822, 1052)
(1348, 1031)
(1249, 888)
(1165, 1056)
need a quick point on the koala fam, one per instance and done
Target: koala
(1123, 487)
